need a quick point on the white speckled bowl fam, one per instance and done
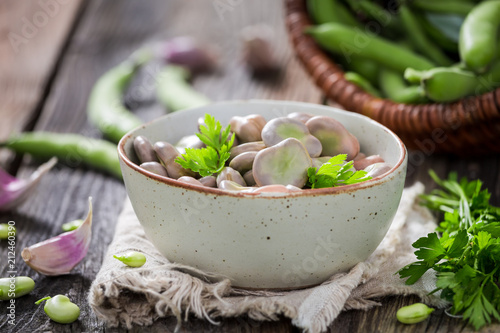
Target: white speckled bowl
(270, 241)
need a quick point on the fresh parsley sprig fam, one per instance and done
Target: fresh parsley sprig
(211, 159)
(335, 172)
(467, 255)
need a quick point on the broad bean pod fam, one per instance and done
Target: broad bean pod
(105, 108)
(478, 42)
(350, 41)
(419, 39)
(174, 92)
(71, 149)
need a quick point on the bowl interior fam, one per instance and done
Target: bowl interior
(374, 138)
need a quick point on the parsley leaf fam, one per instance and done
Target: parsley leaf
(467, 255)
(335, 172)
(211, 159)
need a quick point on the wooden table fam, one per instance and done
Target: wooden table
(51, 53)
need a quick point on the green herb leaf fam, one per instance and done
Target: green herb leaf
(467, 256)
(335, 172)
(211, 159)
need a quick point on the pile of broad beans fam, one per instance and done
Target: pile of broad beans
(412, 51)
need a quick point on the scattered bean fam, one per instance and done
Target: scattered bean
(132, 259)
(15, 287)
(60, 309)
(7, 230)
(414, 313)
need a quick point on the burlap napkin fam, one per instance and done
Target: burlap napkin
(127, 296)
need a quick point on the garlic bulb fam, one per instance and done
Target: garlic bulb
(60, 254)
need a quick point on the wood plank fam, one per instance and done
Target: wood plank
(33, 34)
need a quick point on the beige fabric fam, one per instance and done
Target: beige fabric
(125, 296)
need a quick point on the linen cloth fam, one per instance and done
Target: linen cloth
(122, 295)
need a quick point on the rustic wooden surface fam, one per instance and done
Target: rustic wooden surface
(45, 86)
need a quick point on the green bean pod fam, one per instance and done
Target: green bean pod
(395, 88)
(71, 149)
(447, 84)
(324, 11)
(419, 39)
(366, 68)
(361, 82)
(378, 13)
(174, 91)
(437, 35)
(105, 108)
(349, 41)
(444, 6)
(15, 287)
(478, 42)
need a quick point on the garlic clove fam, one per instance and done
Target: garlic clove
(60, 254)
(14, 191)
(187, 51)
(258, 53)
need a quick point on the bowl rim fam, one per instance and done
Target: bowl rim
(304, 192)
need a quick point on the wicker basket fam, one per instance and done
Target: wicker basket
(470, 126)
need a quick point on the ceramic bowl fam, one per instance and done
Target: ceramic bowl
(275, 241)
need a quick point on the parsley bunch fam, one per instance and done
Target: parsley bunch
(335, 172)
(467, 255)
(211, 159)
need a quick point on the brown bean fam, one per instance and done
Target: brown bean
(243, 162)
(167, 155)
(155, 167)
(144, 149)
(363, 163)
(230, 174)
